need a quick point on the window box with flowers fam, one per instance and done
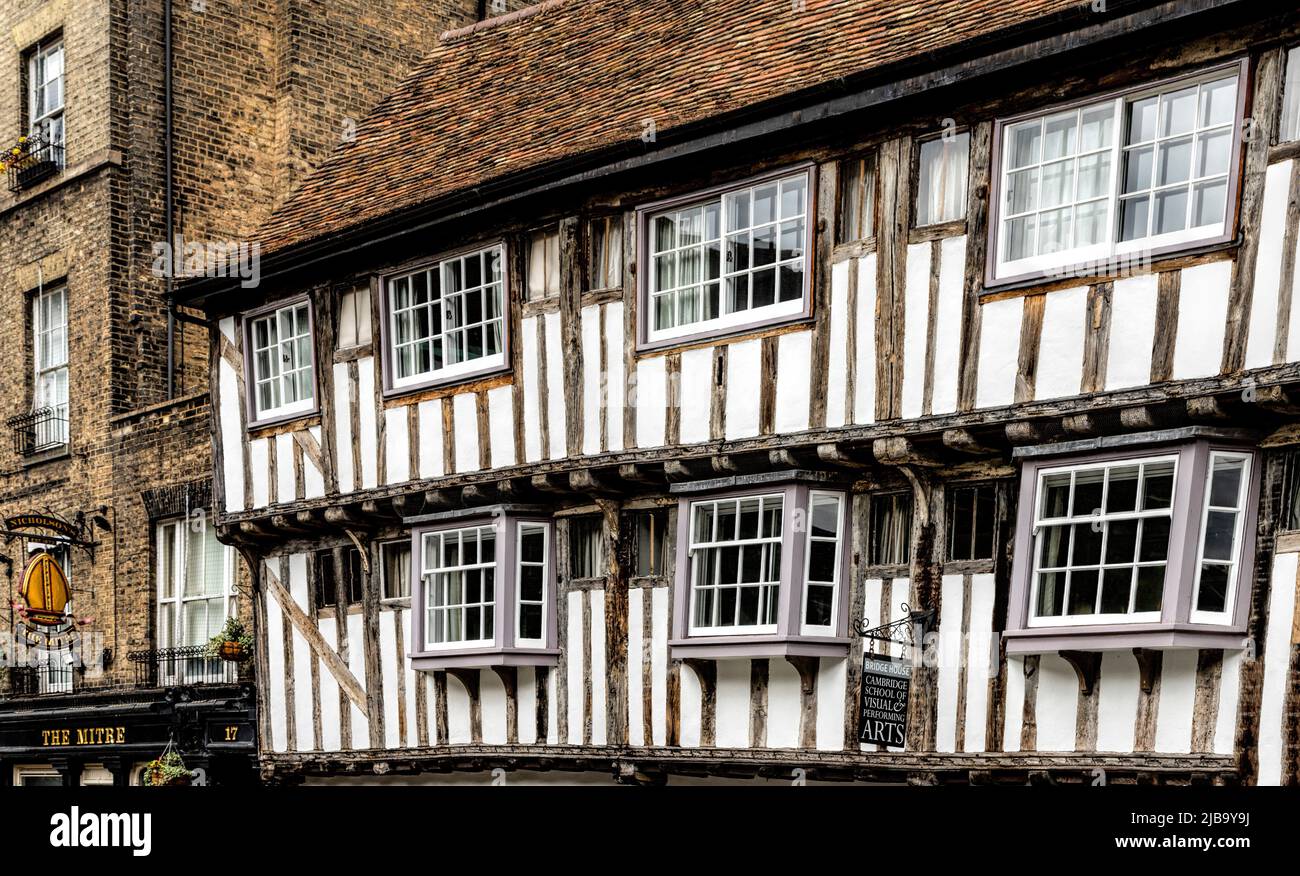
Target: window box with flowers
(30, 161)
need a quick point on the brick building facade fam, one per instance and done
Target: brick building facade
(108, 435)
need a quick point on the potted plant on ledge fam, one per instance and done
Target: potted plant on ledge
(234, 642)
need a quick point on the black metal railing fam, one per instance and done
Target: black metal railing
(32, 162)
(171, 667)
(41, 430)
(45, 678)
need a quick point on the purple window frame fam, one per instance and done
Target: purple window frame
(788, 639)
(504, 650)
(379, 292)
(1231, 219)
(1175, 629)
(250, 390)
(645, 211)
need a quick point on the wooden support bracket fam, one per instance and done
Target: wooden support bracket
(1087, 665)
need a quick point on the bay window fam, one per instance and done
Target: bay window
(1122, 176)
(727, 259)
(760, 570)
(1133, 547)
(446, 321)
(282, 362)
(484, 589)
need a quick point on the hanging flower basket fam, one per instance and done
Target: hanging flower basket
(232, 650)
(167, 770)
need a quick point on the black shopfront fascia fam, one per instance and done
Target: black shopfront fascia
(213, 727)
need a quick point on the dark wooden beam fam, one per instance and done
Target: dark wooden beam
(687, 469)
(1205, 407)
(1141, 418)
(435, 500)
(1080, 424)
(1026, 432)
(641, 474)
(901, 451)
(548, 483)
(478, 494)
(963, 441)
(793, 458)
(839, 454)
(408, 504)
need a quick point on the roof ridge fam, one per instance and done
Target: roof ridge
(495, 21)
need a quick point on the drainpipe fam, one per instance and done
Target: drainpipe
(168, 220)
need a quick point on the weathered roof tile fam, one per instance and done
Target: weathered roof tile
(579, 76)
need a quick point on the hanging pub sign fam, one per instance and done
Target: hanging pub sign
(44, 604)
(45, 590)
(886, 685)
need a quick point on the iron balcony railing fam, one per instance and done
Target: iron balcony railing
(39, 431)
(45, 678)
(31, 162)
(174, 667)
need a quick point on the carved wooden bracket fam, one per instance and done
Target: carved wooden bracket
(705, 670)
(807, 669)
(1148, 667)
(1087, 665)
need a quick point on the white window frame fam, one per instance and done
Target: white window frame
(521, 526)
(483, 364)
(56, 432)
(1091, 258)
(727, 322)
(37, 61)
(773, 601)
(428, 575)
(841, 525)
(283, 346)
(1234, 565)
(1072, 519)
(36, 771)
(178, 529)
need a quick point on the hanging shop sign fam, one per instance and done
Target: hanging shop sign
(886, 685)
(43, 609)
(887, 680)
(47, 522)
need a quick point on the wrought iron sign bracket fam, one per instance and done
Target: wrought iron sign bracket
(900, 632)
(56, 530)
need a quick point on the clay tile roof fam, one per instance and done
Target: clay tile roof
(569, 77)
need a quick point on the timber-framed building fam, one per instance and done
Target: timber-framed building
(638, 356)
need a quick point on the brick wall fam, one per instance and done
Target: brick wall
(262, 89)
